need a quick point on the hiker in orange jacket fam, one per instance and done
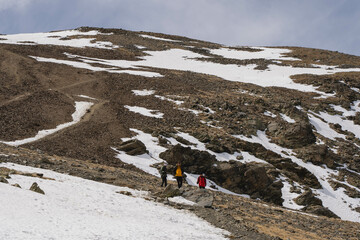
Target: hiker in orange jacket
(179, 175)
(201, 181)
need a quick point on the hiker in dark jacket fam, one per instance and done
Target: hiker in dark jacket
(163, 174)
(179, 175)
(201, 181)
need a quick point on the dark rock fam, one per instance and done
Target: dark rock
(320, 210)
(295, 172)
(3, 180)
(193, 161)
(294, 135)
(35, 188)
(308, 198)
(257, 178)
(171, 191)
(318, 155)
(133, 147)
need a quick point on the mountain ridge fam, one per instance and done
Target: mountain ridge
(288, 116)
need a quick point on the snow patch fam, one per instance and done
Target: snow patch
(177, 102)
(143, 92)
(84, 65)
(84, 96)
(345, 124)
(58, 38)
(289, 196)
(287, 118)
(324, 129)
(158, 38)
(139, 47)
(264, 53)
(181, 200)
(269, 114)
(145, 112)
(144, 161)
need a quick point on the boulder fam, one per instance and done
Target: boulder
(133, 147)
(294, 135)
(319, 155)
(16, 185)
(4, 172)
(3, 180)
(35, 188)
(193, 161)
(308, 198)
(201, 197)
(320, 210)
(171, 191)
(257, 178)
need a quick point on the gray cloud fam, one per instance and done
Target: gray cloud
(327, 24)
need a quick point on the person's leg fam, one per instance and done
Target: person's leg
(162, 183)
(179, 181)
(165, 181)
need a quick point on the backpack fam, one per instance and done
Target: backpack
(163, 172)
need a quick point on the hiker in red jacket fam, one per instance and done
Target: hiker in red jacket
(201, 181)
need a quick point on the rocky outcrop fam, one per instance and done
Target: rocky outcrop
(294, 135)
(35, 188)
(192, 161)
(320, 210)
(313, 205)
(318, 155)
(3, 180)
(308, 198)
(16, 185)
(133, 147)
(253, 179)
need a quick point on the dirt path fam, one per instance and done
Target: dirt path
(16, 98)
(75, 84)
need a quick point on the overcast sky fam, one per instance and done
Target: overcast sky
(325, 24)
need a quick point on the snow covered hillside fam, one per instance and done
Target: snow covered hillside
(75, 208)
(280, 125)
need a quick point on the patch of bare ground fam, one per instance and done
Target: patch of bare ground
(324, 57)
(243, 218)
(338, 83)
(24, 117)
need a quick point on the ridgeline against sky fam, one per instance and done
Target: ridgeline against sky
(325, 24)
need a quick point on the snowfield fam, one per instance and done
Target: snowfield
(180, 59)
(60, 38)
(75, 208)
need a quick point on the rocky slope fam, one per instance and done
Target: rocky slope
(242, 217)
(276, 124)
